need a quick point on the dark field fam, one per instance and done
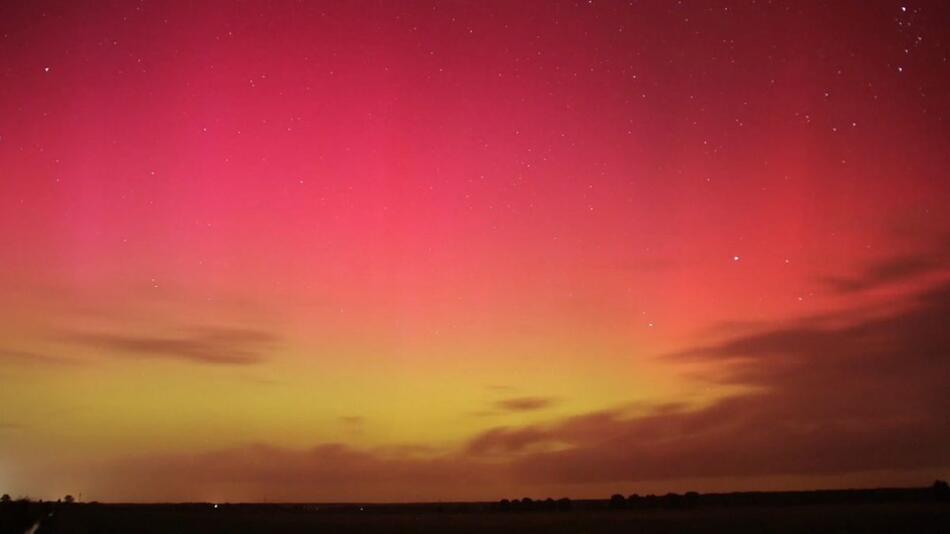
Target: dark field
(586, 516)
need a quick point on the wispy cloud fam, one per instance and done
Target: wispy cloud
(235, 346)
(525, 404)
(932, 256)
(889, 271)
(34, 357)
(507, 440)
(867, 394)
(327, 472)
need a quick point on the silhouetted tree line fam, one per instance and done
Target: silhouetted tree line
(526, 504)
(939, 490)
(690, 499)
(18, 515)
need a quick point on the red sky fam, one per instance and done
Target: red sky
(470, 250)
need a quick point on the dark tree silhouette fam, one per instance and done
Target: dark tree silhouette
(617, 501)
(69, 499)
(5, 498)
(673, 500)
(634, 500)
(651, 501)
(563, 503)
(691, 499)
(941, 490)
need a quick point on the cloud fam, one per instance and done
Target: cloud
(933, 256)
(889, 271)
(206, 345)
(524, 404)
(843, 393)
(33, 357)
(515, 405)
(825, 398)
(867, 394)
(327, 472)
(505, 440)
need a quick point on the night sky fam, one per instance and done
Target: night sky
(321, 251)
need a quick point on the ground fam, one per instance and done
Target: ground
(866, 517)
